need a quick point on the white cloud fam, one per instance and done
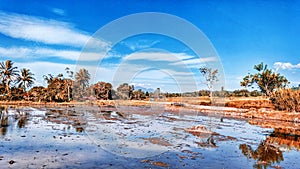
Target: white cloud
(58, 11)
(35, 53)
(15, 52)
(170, 77)
(44, 30)
(195, 62)
(140, 44)
(157, 56)
(286, 65)
(176, 59)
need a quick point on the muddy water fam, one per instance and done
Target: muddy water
(90, 137)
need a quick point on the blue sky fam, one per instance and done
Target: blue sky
(47, 37)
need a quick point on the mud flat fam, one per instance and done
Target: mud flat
(140, 136)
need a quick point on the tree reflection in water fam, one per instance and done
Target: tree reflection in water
(22, 121)
(20, 118)
(3, 120)
(265, 154)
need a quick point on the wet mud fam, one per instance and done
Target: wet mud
(93, 137)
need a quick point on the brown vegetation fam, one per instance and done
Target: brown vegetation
(256, 103)
(286, 99)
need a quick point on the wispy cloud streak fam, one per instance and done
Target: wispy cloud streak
(39, 53)
(43, 30)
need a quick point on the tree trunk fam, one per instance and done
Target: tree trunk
(7, 88)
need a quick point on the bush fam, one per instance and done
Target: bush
(241, 93)
(255, 93)
(286, 99)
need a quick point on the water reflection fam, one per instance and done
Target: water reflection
(22, 118)
(266, 154)
(10, 117)
(286, 140)
(269, 151)
(3, 120)
(67, 117)
(139, 134)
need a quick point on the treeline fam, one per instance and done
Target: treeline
(14, 84)
(224, 93)
(75, 86)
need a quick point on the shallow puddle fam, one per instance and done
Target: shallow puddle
(93, 137)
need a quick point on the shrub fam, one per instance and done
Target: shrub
(241, 93)
(286, 99)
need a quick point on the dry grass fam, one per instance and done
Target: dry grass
(286, 99)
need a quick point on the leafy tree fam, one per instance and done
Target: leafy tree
(49, 78)
(26, 79)
(9, 73)
(139, 94)
(58, 89)
(82, 77)
(266, 79)
(69, 73)
(103, 90)
(241, 93)
(38, 94)
(210, 76)
(125, 91)
(60, 76)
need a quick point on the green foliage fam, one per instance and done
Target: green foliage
(265, 78)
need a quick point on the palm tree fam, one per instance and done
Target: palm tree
(8, 73)
(82, 77)
(26, 79)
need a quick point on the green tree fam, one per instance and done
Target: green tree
(25, 79)
(266, 79)
(210, 76)
(9, 73)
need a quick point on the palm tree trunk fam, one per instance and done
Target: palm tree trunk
(7, 88)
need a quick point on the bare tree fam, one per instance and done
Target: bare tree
(210, 76)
